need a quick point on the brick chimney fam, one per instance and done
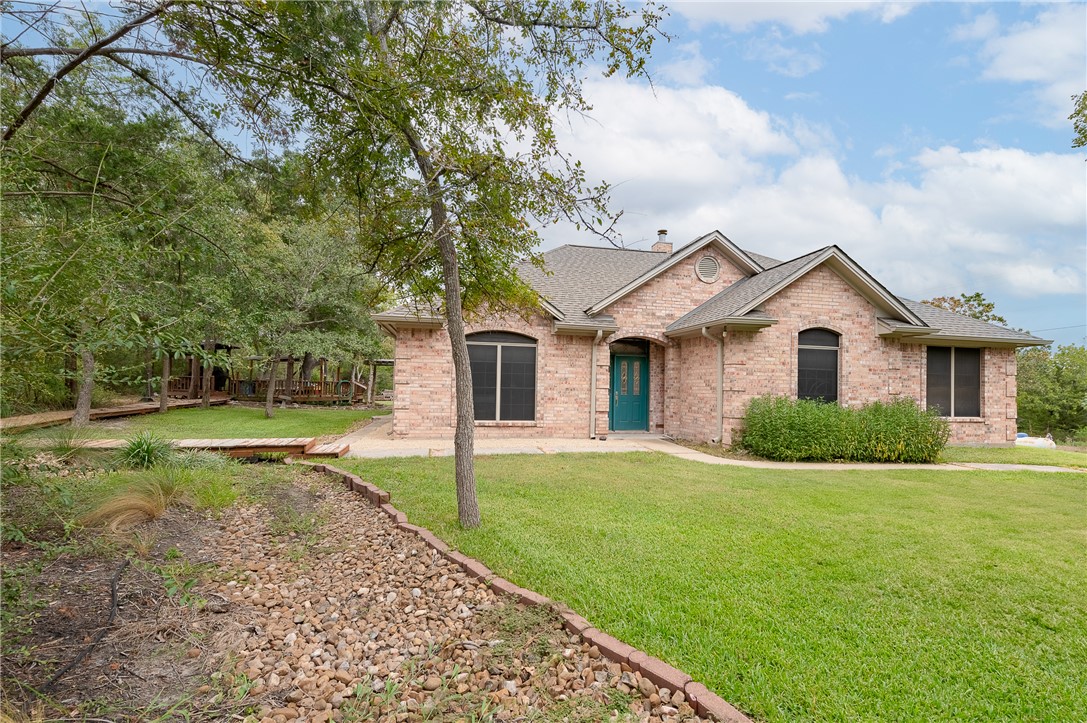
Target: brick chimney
(663, 244)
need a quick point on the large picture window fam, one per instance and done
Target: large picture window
(954, 381)
(503, 376)
(817, 365)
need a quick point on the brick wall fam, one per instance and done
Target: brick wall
(424, 404)
(683, 372)
(870, 368)
(695, 412)
(645, 313)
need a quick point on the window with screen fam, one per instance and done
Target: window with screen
(503, 376)
(953, 388)
(817, 365)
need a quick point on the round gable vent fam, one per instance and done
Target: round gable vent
(708, 268)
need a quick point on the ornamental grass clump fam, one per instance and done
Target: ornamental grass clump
(141, 501)
(805, 430)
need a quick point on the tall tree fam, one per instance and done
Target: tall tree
(974, 305)
(1052, 390)
(436, 117)
(314, 295)
(442, 115)
(99, 200)
(1079, 120)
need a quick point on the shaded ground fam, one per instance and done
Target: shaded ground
(142, 668)
(299, 602)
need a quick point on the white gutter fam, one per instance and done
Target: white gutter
(592, 386)
(720, 383)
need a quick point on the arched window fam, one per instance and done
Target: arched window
(503, 376)
(817, 365)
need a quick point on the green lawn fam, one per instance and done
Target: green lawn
(1015, 455)
(902, 595)
(226, 422)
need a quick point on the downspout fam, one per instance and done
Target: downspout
(720, 384)
(592, 386)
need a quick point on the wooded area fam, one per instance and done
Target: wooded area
(392, 151)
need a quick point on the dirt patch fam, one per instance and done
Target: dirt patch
(150, 659)
(301, 601)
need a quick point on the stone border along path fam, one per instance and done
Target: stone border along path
(658, 673)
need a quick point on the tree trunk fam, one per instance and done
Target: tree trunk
(164, 386)
(71, 369)
(309, 363)
(464, 436)
(194, 374)
(206, 381)
(270, 394)
(148, 372)
(82, 413)
(288, 392)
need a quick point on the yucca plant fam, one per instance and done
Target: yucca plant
(145, 450)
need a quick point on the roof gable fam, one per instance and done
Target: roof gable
(740, 258)
(743, 297)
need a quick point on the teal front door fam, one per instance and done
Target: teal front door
(629, 393)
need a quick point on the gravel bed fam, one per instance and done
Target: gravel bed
(354, 619)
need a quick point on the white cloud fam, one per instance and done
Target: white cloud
(788, 61)
(667, 144)
(690, 68)
(1049, 53)
(799, 17)
(981, 27)
(1033, 278)
(695, 159)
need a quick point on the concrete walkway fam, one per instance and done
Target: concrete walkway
(375, 441)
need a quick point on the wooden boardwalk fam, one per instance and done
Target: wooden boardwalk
(48, 419)
(300, 446)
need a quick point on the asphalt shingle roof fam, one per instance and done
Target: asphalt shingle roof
(766, 262)
(583, 275)
(729, 302)
(953, 325)
(575, 278)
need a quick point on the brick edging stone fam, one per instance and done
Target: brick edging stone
(661, 674)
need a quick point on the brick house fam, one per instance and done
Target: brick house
(679, 342)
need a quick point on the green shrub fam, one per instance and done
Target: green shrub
(145, 450)
(803, 430)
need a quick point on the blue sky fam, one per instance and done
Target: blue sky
(929, 140)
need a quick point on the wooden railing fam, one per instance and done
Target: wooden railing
(298, 391)
(179, 385)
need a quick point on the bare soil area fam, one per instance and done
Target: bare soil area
(306, 604)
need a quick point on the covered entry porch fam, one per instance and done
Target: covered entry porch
(635, 385)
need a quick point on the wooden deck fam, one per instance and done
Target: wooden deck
(301, 446)
(48, 419)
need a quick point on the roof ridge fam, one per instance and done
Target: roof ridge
(604, 248)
